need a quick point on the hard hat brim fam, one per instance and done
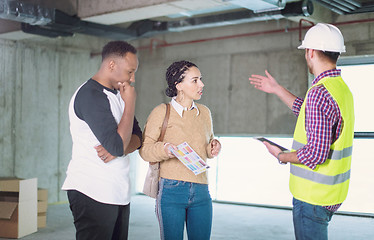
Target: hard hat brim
(323, 50)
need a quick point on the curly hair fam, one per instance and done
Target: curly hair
(117, 48)
(175, 74)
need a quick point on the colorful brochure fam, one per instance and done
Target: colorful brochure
(190, 158)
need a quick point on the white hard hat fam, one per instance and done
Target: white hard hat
(324, 37)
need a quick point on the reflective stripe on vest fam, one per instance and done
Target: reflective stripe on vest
(333, 154)
(328, 183)
(320, 178)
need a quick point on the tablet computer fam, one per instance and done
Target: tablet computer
(262, 139)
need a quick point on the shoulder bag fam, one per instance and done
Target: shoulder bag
(150, 187)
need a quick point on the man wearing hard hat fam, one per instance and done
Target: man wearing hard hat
(322, 146)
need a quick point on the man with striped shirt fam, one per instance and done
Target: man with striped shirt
(322, 147)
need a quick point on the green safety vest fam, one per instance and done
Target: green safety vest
(328, 183)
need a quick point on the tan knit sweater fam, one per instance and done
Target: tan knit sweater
(196, 130)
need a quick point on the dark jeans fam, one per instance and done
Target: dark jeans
(95, 220)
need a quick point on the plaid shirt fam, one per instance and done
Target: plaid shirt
(323, 123)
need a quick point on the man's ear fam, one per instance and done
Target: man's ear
(111, 65)
(312, 53)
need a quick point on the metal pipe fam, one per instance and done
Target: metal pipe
(245, 35)
(300, 26)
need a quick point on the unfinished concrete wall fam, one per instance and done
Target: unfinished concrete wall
(37, 81)
(7, 105)
(237, 107)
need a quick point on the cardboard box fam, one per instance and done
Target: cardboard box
(42, 207)
(42, 194)
(42, 220)
(42, 200)
(18, 207)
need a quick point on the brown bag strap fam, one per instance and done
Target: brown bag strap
(165, 123)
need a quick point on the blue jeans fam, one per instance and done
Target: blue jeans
(310, 221)
(180, 202)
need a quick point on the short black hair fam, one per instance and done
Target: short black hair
(175, 74)
(332, 56)
(117, 48)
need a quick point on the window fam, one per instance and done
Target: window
(358, 73)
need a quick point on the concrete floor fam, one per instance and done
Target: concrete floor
(229, 222)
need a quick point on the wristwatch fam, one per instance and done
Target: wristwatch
(280, 162)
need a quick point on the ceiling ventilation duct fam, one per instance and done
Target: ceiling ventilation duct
(302, 8)
(25, 12)
(48, 22)
(258, 6)
(68, 25)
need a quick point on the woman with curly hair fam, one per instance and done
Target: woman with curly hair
(183, 197)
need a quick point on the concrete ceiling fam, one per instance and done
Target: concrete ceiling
(129, 19)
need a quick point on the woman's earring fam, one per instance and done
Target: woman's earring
(180, 96)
